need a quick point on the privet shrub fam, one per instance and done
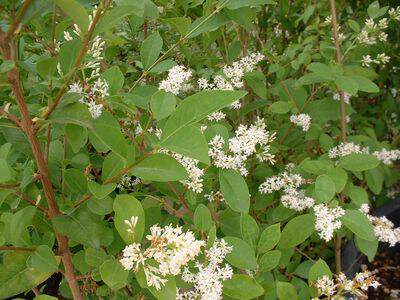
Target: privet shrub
(194, 149)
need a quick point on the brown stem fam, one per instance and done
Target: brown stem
(12, 248)
(81, 55)
(181, 198)
(11, 117)
(10, 53)
(338, 239)
(18, 19)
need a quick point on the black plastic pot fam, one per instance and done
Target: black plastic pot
(352, 259)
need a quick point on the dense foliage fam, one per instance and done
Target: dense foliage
(204, 149)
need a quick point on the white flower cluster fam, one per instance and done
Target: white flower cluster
(302, 120)
(242, 146)
(338, 287)
(233, 76)
(373, 32)
(380, 59)
(344, 149)
(171, 248)
(385, 156)
(216, 116)
(208, 278)
(383, 227)
(127, 182)
(176, 80)
(293, 197)
(394, 13)
(327, 220)
(98, 91)
(346, 97)
(195, 181)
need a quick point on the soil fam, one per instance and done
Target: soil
(388, 266)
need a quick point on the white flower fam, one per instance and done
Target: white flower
(327, 220)
(290, 183)
(95, 109)
(131, 223)
(370, 23)
(241, 147)
(210, 274)
(216, 116)
(395, 13)
(302, 120)
(100, 88)
(387, 156)
(367, 60)
(346, 97)
(67, 36)
(344, 149)
(383, 23)
(177, 77)
(383, 228)
(382, 58)
(325, 286)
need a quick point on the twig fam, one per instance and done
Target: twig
(9, 52)
(335, 27)
(17, 20)
(10, 117)
(77, 63)
(12, 248)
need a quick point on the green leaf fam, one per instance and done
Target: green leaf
(43, 259)
(19, 223)
(324, 188)
(150, 49)
(206, 24)
(339, 177)
(16, 277)
(114, 78)
(347, 84)
(76, 136)
(6, 65)
(75, 181)
(101, 207)
(45, 297)
(357, 162)
(84, 227)
(375, 178)
(112, 164)
(242, 287)
(237, 258)
(286, 291)
(365, 84)
(235, 191)
(162, 104)
(319, 269)
(113, 274)
(160, 167)
(359, 224)
(202, 218)
(46, 67)
(317, 167)
(297, 230)
(76, 12)
(269, 238)
(95, 257)
(375, 11)
(357, 195)
(106, 128)
(369, 248)
(188, 142)
(117, 14)
(196, 107)
(68, 53)
(100, 191)
(270, 260)
(249, 229)
(126, 207)
(180, 24)
(235, 4)
(5, 171)
(280, 107)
